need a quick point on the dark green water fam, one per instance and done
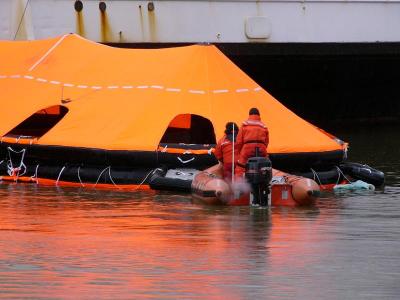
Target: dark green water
(75, 243)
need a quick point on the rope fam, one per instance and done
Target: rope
(316, 176)
(150, 173)
(10, 166)
(98, 178)
(233, 153)
(59, 175)
(109, 174)
(24, 137)
(20, 21)
(79, 177)
(48, 52)
(35, 176)
(337, 181)
(340, 171)
(185, 161)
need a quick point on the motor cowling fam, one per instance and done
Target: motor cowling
(259, 175)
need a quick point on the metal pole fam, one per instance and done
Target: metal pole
(233, 153)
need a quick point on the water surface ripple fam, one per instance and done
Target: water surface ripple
(74, 243)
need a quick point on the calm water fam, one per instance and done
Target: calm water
(76, 243)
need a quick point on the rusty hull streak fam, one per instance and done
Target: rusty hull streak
(121, 37)
(141, 23)
(105, 27)
(152, 26)
(80, 25)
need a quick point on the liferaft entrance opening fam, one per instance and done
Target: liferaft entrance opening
(189, 129)
(40, 122)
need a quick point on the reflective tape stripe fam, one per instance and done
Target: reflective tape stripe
(197, 92)
(172, 90)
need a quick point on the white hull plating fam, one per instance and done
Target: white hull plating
(218, 21)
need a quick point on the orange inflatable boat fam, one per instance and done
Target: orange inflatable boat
(209, 187)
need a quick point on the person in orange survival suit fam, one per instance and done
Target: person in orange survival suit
(224, 148)
(252, 134)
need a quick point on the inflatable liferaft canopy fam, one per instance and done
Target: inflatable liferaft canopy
(71, 101)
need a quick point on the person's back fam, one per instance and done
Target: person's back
(253, 134)
(225, 147)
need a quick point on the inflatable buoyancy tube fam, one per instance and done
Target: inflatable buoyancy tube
(363, 172)
(180, 181)
(84, 174)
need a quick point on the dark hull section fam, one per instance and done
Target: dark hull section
(329, 84)
(129, 167)
(304, 161)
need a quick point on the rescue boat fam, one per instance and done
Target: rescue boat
(209, 187)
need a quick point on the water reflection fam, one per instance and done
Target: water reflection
(83, 243)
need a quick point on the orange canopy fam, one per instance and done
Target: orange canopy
(124, 99)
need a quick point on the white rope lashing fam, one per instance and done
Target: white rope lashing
(109, 174)
(59, 174)
(185, 161)
(79, 177)
(47, 53)
(24, 137)
(316, 176)
(11, 170)
(340, 171)
(35, 177)
(150, 173)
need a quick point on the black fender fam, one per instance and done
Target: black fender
(363, 172)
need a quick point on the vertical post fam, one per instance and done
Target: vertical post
(233, 153)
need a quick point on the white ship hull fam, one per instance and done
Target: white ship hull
(218, 21)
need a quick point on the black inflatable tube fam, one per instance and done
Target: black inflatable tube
(363, 172)
(62, 155)
(86, 174)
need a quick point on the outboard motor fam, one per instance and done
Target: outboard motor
(259, 176)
